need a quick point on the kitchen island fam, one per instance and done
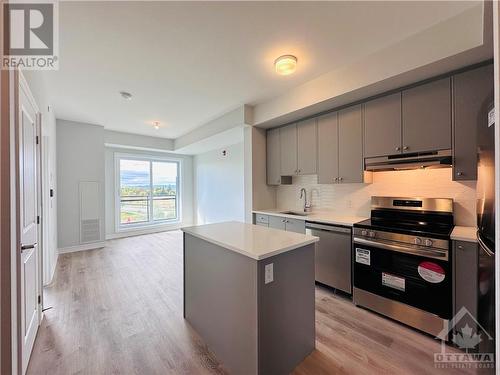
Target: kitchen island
(249, 293)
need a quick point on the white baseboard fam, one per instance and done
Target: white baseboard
(139, 232)
(87, 246)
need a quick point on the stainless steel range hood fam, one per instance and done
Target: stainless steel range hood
(417, 160)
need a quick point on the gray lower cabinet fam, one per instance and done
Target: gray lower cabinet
(382, 126)
(426, 113)
(277, 222)
(350, 145)
(295, 225)
(273, 157)
(466, 258)
(472, 94)
(288, 150)
(288, 224)
(307, 148)
(262, 220)
(328, 149)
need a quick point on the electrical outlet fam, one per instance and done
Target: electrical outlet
(268, 273)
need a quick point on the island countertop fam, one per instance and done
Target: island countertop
(250, 240)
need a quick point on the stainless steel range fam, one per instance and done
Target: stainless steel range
(402, 261)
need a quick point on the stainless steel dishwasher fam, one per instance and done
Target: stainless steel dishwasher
(333, 255)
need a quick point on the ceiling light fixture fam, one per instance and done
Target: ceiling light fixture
(285, 64)
(156, 125)
(126, 95)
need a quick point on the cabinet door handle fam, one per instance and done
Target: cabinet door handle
(405, 148)
(398, 148)
(336, 179)
(298, 170)
(283, 221)
(460, 247)
(340, 179)
(460, 174)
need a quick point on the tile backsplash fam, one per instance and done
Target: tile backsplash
(354, 199)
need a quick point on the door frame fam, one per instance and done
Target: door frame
(20, 82)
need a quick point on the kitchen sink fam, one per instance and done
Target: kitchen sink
(298, 213)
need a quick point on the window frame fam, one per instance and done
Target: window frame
(119, 227)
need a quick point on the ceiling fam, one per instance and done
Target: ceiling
(188, 63)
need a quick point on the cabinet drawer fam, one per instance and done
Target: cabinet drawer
(261, 219)
(295, 225)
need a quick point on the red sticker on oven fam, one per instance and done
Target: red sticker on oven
(431, 272)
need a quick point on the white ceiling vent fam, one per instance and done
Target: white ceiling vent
(90, 224)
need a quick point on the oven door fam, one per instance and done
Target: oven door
(409, 275)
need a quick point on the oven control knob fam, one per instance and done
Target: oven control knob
(428, 242)
(364, 232)
(417, 241)
(372, 234)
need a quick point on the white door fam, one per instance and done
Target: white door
(28, 213)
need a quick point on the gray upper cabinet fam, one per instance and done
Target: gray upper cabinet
(472, 93)
(273, 157)
(426, 116)
(328, 152)
(350, 145)
(382, 130)
(288, 150)
(307, 149)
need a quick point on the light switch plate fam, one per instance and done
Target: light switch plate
(268, 273)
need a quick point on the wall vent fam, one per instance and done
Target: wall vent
(90, 223)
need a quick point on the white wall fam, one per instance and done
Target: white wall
(80, 158)
(354, 199)
(186, 191)
(37, 85)
(219, 185)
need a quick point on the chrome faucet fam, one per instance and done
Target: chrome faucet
(307, 206)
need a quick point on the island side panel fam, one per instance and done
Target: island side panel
(220, 302)
(286, 311)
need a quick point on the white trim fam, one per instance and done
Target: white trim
(87, 246)
(144, 226)
(146, 230)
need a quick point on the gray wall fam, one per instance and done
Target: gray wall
(186, 190)
(80, 157)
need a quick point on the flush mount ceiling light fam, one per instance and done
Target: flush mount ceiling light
(156, 125)
(126, 95)
(285, 64)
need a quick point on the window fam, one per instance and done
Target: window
(148, 191)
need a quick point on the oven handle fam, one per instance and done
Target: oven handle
(430, 253)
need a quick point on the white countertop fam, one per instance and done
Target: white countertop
(464, 234)
(251, 240)
(325, 217)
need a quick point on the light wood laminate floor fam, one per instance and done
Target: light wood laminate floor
(118, 310)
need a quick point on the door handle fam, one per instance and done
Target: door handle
(27, 247)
